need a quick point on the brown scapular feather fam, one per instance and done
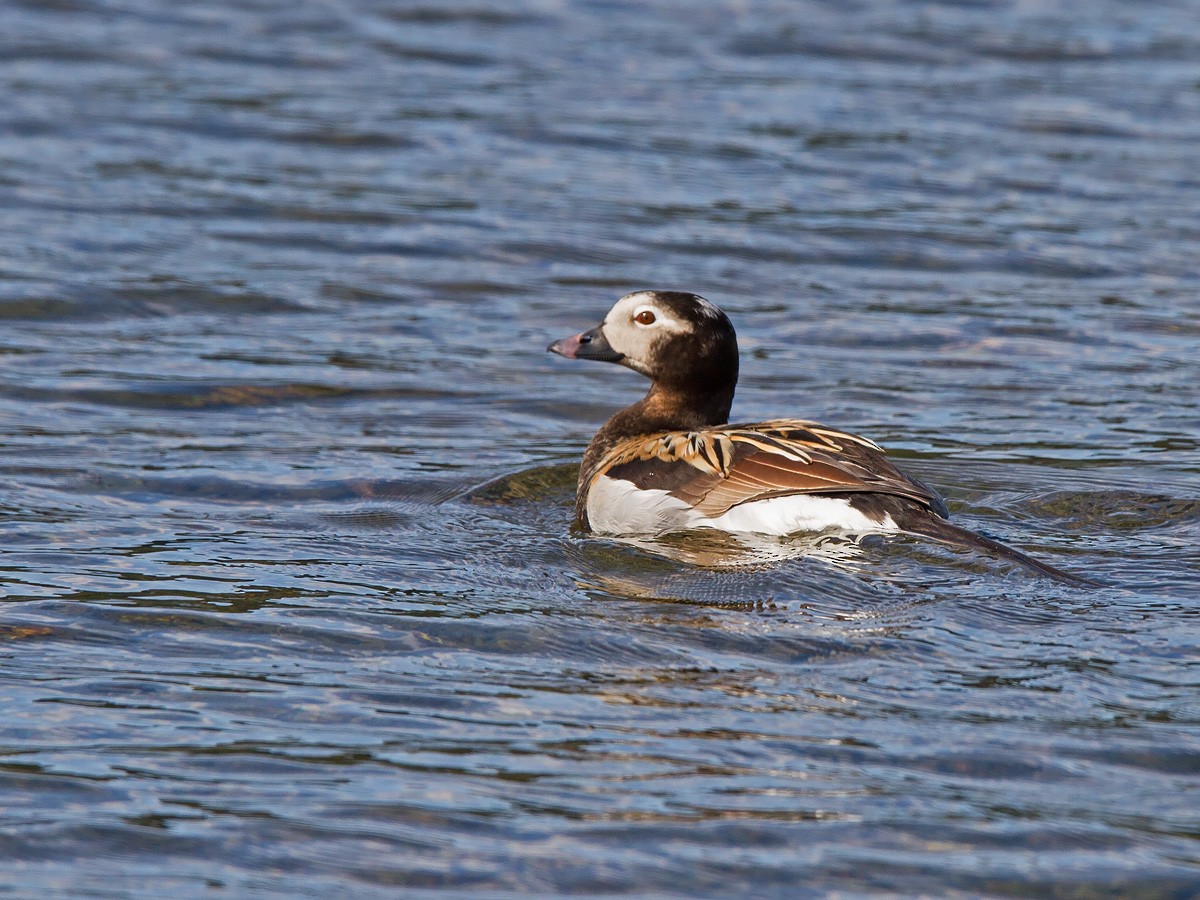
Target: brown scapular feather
(716, 469)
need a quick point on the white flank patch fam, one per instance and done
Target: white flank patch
(615, 506)
(797, 513)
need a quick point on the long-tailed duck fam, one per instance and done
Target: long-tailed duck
(672, 462)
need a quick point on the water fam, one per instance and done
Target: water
(292, 602)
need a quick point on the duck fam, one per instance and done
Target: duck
(672, 462)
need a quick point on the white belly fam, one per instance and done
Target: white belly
(618, 507)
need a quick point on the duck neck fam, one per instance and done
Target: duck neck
(668, 408)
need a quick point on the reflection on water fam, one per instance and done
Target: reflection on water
(279, 617)
(719, 550)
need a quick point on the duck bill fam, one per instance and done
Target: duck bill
(588, 345)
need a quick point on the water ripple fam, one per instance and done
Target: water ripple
(292, 599)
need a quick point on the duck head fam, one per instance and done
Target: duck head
(677, 339)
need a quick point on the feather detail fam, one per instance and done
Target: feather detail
(716, 469)
(708, 451)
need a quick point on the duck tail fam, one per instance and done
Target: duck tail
(940, 530)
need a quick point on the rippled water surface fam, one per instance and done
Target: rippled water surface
(292, 600)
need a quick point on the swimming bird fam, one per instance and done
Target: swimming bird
(672, 462)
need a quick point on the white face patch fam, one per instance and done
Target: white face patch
(637, 340)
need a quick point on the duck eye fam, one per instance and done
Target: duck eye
(645, 317)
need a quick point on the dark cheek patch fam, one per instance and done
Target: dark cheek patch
(665, 352)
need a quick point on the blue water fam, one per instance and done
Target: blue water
(292, 602)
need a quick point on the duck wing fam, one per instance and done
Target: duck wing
(716, 469)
